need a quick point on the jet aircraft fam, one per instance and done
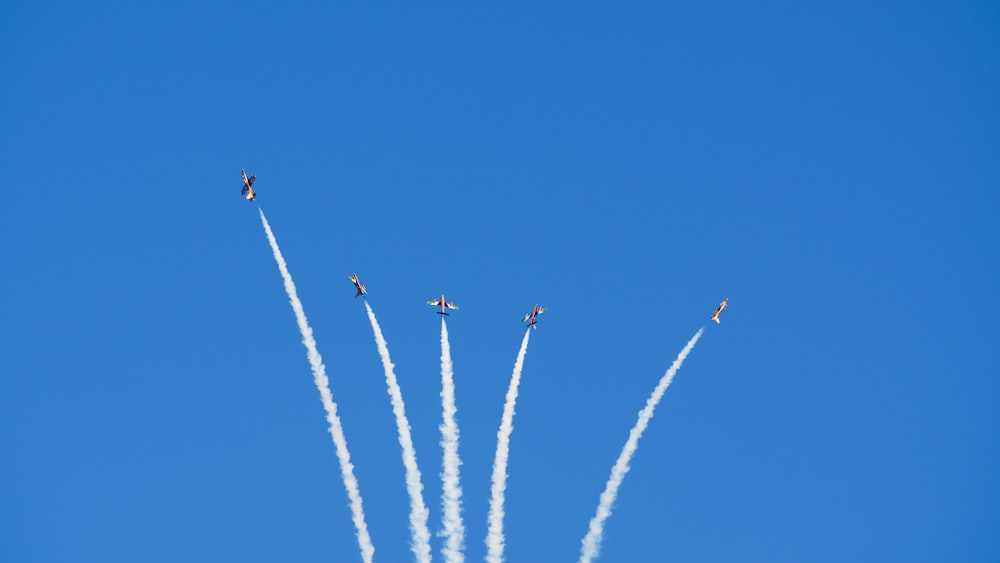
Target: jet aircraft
(359, 285)
(531, 317)
(248, 191)
(722, 306)
(442, 303)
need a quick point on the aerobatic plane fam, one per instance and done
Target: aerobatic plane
(248, 191)
(531, 317)
(442, 303)
(722, 306)
(359, 285)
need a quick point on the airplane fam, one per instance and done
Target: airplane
(715, 315)
(359, 285)
(442, 303)
(530, 317)
(248, 190)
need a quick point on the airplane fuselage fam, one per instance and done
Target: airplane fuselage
(248, 191)
(360, 286)
(722, 307)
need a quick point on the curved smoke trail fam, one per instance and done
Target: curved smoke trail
(418, 510)
(454, 530)
(494, 536)
(323, 384)
(592, 541)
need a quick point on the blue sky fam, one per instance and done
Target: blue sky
(832, 168)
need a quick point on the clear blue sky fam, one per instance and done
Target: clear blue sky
(831, 168)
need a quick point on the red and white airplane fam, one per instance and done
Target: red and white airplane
(722, 306)
(442, 303)
(531, 317)
(359, 285)
(248, 191)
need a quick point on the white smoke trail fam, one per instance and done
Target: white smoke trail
(323, 384)
(418, 510)
(494, 536)
(592, 541)
(454, 530)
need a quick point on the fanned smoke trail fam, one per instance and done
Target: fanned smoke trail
(323, 384)
(418, 510)
(494, 536)
(592, 541)
(454, 530)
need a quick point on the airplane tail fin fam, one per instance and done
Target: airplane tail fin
(716, 319)
(358, 294)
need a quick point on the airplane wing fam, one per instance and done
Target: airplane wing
(451, 306)
(434, 302)
(526, 317)
(252, 178)
(540, 311)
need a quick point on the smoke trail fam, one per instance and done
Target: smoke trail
(418, 510)
(323, 384)
(454, 530)
(592, 541)
(494, 537)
